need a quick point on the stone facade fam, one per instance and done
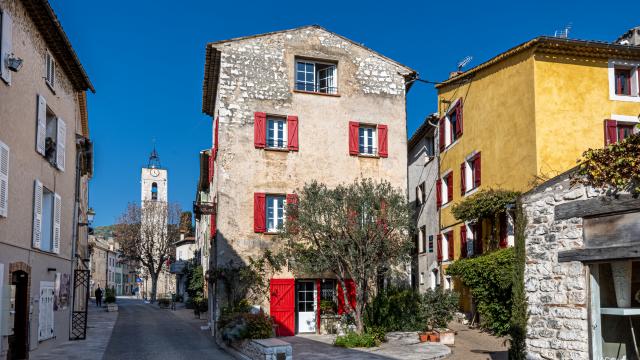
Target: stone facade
(556, 293)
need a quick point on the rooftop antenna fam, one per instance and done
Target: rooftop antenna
(464, 62)
(564, 33)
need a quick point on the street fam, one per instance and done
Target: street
(144, 331)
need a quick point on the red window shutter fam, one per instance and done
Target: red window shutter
(463, 241)
(450, 186)
(441, 134)
(353, 137)
(450, 246)
(439, 247)
(211, 173)
(292, 199)
(216, 146)
(610, 132)
(351, 295)
(282, 305)
(382, 141)
(438, 193)
(260, 129)
(459, 118)
(477, 176)
(259, 212)
(292, 131)
(463, 178)
(503, 231)
(213, 225)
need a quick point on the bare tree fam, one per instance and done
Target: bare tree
(147, 234)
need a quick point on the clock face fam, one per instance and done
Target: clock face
(155, 172)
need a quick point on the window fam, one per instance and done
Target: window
(422, 239)
(51, 137)
(446, 188)
(420, 194)
(616, 131)
(276, 133)
(154, 191)
(316, 77)
(422, 278)
(446, 240)
(470, 173)
(366, 140)
(50, 64)
(624, 80)
(429, 149)
(328, 290)
(275, 212)
(47, 220)
(450, 125)
(47, 213)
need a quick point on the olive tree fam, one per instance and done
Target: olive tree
(357, 231)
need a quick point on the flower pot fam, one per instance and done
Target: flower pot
(447, 337)
(434, 337)
(424, 337)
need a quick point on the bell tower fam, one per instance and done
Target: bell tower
(154, 180)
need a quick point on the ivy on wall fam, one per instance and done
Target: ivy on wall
(616, 167)
(519, 317)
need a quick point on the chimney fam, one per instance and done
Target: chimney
(631, 37)
(454, 74)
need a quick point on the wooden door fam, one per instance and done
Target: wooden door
(282, 306)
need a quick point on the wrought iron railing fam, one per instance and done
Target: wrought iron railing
(368, 150)
(304, 86)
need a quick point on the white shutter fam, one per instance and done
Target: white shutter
(57, 214)
(5, 46)
(41, 130)
(61, 141)
(37, 214)
(4, 179)
(45, 311)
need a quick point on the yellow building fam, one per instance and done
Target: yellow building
(527, 115)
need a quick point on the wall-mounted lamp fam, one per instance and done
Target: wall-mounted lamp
(14, 63)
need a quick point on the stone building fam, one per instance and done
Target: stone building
(45, 166)
(100, 250)
(290, 107)
(422, 176)
(582, 272)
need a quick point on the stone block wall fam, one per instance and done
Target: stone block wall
(557, 293)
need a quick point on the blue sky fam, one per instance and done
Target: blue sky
(146, 60)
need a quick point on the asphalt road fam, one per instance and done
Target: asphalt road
(144, 331)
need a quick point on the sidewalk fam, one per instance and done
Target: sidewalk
(474, 344)
(99, 328)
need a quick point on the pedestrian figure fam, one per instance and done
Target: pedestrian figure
(98, 297)
(173, 301)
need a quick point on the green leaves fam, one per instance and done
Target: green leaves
(617, 166)
(484, 204)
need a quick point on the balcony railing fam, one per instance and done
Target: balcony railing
(317, 88)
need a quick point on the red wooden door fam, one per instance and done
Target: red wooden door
(282, 306)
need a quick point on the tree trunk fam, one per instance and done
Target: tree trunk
(154, 286)
(359, 322)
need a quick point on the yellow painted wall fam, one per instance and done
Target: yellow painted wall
(572, 102)
(499, 122)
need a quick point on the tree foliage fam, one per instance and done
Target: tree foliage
(616, 167)
(358, 231)
(518, 325)
(490, 278)
(146, 235)
(485, 204)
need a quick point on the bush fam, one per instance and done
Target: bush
(241, 326)
(109, 295)
(353, 340)
(490, 279)
(328, 307)
(395, 309)
(437, 308)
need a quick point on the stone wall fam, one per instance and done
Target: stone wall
(264, 349)
(556, 293)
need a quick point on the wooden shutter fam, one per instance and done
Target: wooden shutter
(45, 311)
(216, 146)
(353, 137)
(41, 129)
(439, 247)
(260, 129)
(383, 150)
(292, 132)
(450, 246)
(477, 169)
(441, 134)
(282, 305)
(37, 214)
(463, 178)
(459, 125)
(4, 179)
(450, 187)
(61, 143)
(259, 212)
(5, 45)
(503, 231)
(57, 220)
(438, 193)
(351, 296)
(610, 132)
(211, 171)
(463, 241)
(213, 226)
(292, 199)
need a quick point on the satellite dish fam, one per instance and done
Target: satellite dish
(464, 62)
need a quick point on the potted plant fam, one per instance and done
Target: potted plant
(437, 308)
(110, 299)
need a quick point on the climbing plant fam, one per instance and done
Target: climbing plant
(616, 167)
(518, 322)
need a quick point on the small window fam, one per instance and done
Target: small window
(316, 77)
(275, 212)
(50, 64)
(623, 81)
(421, 240)
(422, 278)
(46, 240)
(154, 191)
(453, 122)
(472, 173)
(429, 146)
(367, 139)
(624, 130)
(50, 142)
(420, 194)
(276, 133)
(446, 238)
(447, 183)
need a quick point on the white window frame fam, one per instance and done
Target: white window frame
(277, 119)
(470, 240)
(421, 240)
(445, 245)
(420, 193)
(50, 70)
(469, 173)
(444, 187)
(448, 131)
(272, 201)
(369, 143)
(624, 64)
(317, 75)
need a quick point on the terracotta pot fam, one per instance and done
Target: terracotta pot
(424, 337)
(434, 337)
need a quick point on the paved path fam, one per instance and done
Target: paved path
(473, 344)
(144, 331)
